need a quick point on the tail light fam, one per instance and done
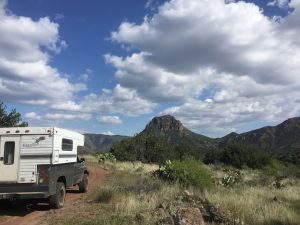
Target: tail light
(43, 176)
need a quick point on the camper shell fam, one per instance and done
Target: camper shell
(34, 161)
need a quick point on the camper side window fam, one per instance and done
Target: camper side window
(9, 153)
(67, 144)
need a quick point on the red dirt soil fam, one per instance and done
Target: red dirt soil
(19, 214)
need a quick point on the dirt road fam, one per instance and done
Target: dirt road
(19, 214)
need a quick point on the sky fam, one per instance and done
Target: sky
(110, 66)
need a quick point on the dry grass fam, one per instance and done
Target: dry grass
(136, 167)
(131, 191)
(261, 205)
(134, 203)
(129, 167)
(134, 192)
(89, 158)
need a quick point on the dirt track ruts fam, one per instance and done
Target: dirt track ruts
(20, 215)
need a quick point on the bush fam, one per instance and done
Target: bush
(188, 172)
(239, 155)
(144, 148)
(242, 154)
(152, 149)
(184, 149)
(213, 156)
(230, 177)
(102, 157)
(278, 168)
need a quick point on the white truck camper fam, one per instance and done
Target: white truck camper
(40, 162)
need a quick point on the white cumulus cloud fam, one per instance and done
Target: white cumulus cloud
(32, 116)
(223, 64)
(109, 120)
(279, 3)
(25, 74)
(108, 133)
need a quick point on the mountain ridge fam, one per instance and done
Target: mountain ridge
(274, 139)
(278, 139)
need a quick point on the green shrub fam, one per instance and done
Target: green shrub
(188, 172)
(213, 156)
(278, 168)
(243, 154)
(231, 177)
(103, 157)
(152, 149)
(144, 148)
(184, 149)
(274, 168)
(290, 157)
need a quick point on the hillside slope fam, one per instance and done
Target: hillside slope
(283, 138)
(101, 142)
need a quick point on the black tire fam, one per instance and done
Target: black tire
(83, 185)
(58, 199)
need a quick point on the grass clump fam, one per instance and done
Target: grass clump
(104, 194)
(188, 172)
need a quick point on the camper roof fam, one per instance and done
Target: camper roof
(38, 130)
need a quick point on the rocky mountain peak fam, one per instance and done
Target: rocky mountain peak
(164, 124)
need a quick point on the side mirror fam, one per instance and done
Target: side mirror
(82, 159)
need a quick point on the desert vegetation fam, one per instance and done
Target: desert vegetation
(152, 149)
(139, 193)
(239, 155)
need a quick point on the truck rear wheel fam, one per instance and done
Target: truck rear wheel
(83, 185)
(58, 199)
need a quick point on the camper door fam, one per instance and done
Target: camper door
(9, 158)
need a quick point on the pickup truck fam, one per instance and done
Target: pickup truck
(40, 163)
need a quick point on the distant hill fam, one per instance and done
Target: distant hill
(281, 141)
(174, 132)
(284, 137)
(101, 142)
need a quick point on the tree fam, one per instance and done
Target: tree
(184, 149)
(145, 148)
(213, 156)
(244, 154)
(12, 119)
